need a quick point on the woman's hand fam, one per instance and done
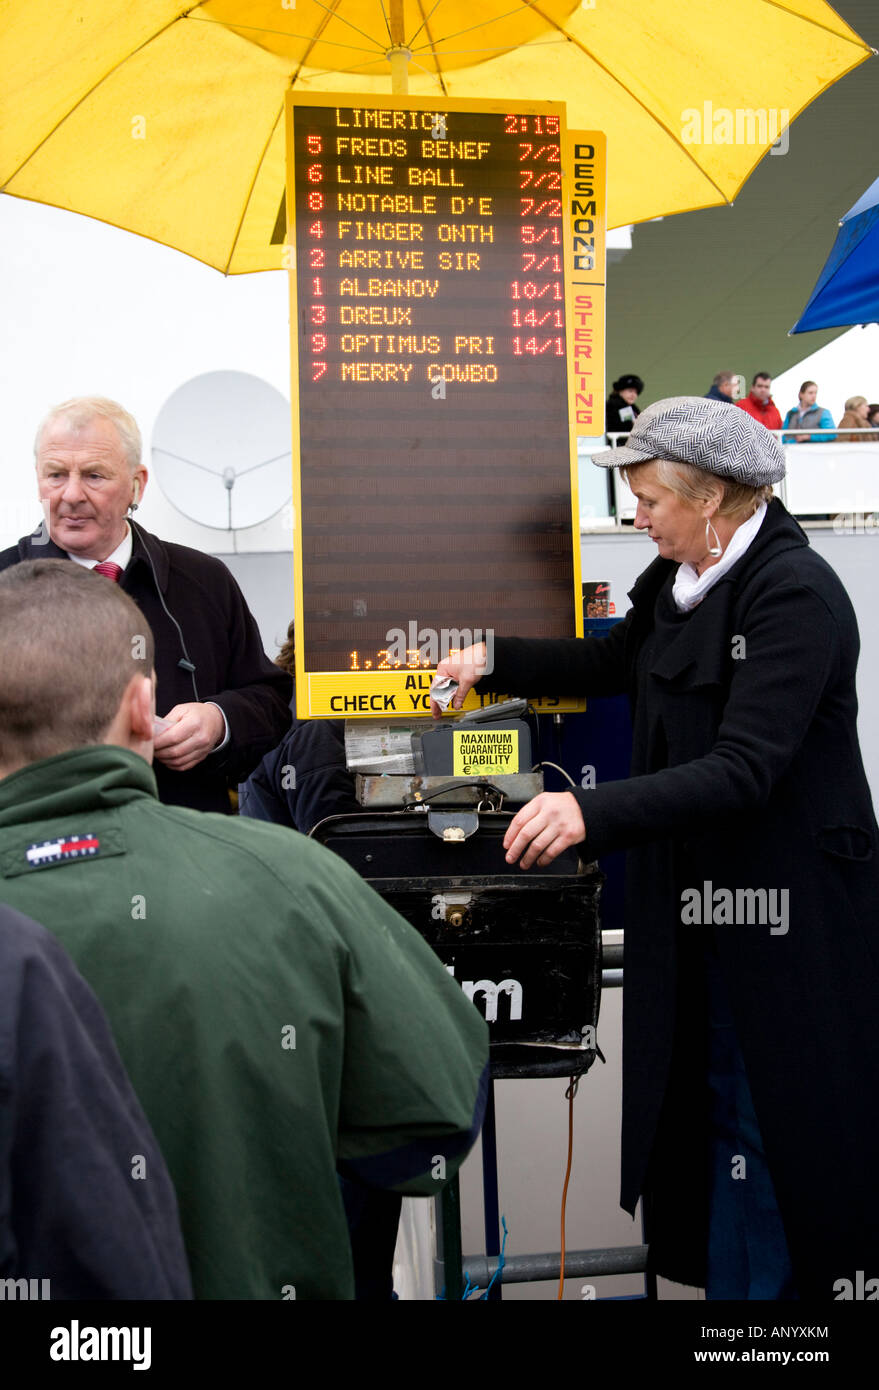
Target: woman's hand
(549, 824)
(466, 668)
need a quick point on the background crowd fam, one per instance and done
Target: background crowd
(807, 422)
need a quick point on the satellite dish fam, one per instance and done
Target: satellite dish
(221, 450)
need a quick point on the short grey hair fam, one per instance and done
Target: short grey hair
(81, 410)
(68, 643)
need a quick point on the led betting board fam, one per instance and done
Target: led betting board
(434, 474)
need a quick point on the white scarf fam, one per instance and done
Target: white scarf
(690, 588)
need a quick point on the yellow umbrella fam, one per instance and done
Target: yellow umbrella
(167, 119)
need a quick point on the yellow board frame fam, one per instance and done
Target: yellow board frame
(323, 695)
(586, 221)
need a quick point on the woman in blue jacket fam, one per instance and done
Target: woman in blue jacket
(808, 416)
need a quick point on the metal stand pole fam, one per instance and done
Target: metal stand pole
(450, 1223)
(650, 1290)
(489, 1189)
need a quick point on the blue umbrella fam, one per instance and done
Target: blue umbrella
(847, 291)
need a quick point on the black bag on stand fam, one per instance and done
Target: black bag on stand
(524, 946)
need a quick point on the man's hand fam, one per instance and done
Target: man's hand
(549, 824)
(193, 731)
(466, 668)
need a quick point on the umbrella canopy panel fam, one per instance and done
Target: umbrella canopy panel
(167, 120)
(354, 36)
(847, 291)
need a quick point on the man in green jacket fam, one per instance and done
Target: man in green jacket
(276, 1017)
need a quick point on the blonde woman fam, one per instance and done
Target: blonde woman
(750, 1039)
(856, 417)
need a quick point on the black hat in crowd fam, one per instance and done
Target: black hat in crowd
(628, 380)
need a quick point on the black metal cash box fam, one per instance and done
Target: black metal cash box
(525, 946)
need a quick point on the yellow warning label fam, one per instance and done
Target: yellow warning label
(481, 752)
(394, 694)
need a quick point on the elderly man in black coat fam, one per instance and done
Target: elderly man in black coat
(750, 1034)
(223, 703)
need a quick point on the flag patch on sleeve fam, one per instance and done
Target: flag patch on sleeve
(65, 848)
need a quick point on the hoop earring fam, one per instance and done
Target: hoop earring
(715, 549)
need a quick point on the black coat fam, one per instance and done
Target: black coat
(303, 780)
(612, 422)
(76, 1209)
(222, 641)
(746, 774)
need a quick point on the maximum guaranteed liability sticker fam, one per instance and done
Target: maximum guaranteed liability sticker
(485, 752)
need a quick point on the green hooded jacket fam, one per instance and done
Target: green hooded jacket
(275, 1016)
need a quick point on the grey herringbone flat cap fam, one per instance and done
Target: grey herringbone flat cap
(711, 434)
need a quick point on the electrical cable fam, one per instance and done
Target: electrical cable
(186, 663)
(566, 775)
(569, 1097)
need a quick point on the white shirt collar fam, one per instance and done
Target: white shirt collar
(690, 588)
(120, 556)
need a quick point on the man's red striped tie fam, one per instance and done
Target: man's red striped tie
(108, 568)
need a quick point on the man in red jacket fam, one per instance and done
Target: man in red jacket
(759, 402)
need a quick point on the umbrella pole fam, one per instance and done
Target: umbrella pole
(399, 61)
(398, 54)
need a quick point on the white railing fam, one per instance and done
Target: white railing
(829, 478)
